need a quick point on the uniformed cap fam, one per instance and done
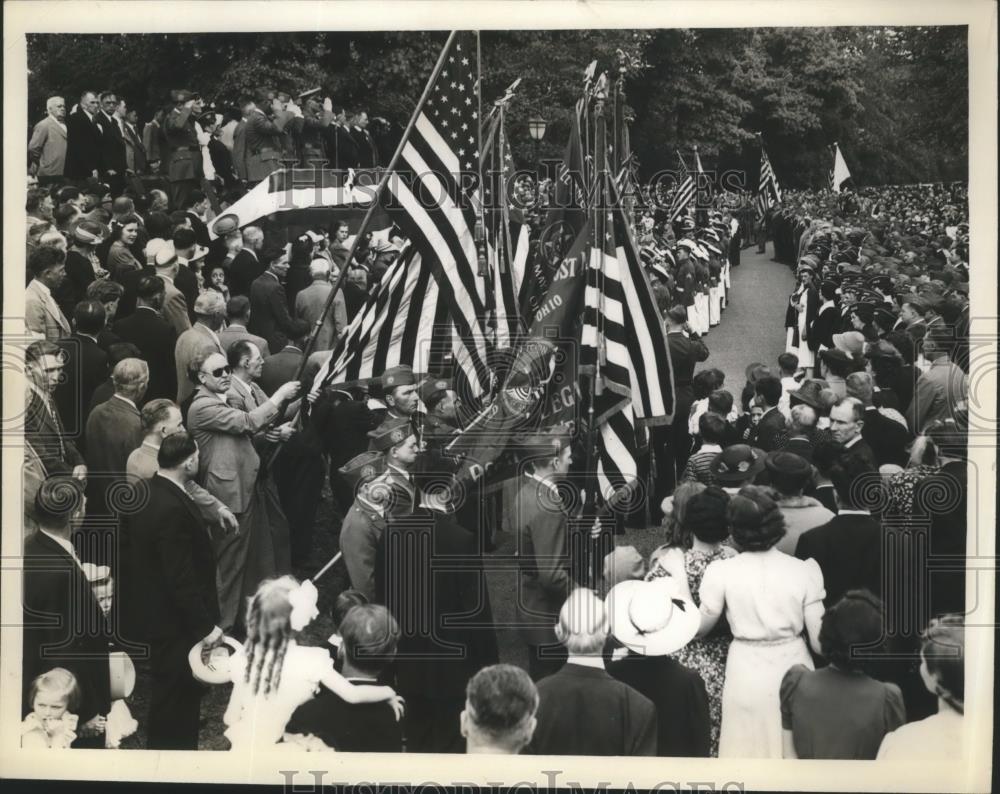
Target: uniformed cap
(397, 376)
(687, 224)
(182, 95)
(362, 468)
(432, 388)
(390, 433)
(883, 283)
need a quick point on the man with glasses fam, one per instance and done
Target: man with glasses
(230, 470)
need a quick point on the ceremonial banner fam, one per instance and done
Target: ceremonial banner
(839, 173)
(768, 193)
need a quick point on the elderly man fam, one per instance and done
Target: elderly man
(43, 428)
(47, 147)
(174, 308)
(42, 316)
(884, 428)
(582, 710)
(83, 140)
(847, 419)
(247, 265)
(238, 312)
(210, 315)
(269, 315)
(229, 470)
(500, 706)
(114, 430)
(369, 636)
(113, 161)
(311, 301)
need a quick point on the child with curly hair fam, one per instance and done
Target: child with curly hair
(54, 696)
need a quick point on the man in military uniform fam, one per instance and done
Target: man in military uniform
(364, 523)
(440, 399)
(184, 162)
(396, 439)
(263, 142)
(399, 390)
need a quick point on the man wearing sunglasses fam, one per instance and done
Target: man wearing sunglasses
(229, 470)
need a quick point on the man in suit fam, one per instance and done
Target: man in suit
(500, 706)
(767, 392)
(86, 366)
(369, 636)
(172, 553)
(42, 316)
(114, 430)
(47, 147)
(341, 149)
(247, 265)
(263, 142)
(885, 430)
(367, 150)
(269, 316)
(847, 420)
(83, 140)
(229, 471)
(63, 623)
(184, 162)
(210, 314)
(174, 308)
(582, 710)
(673, 444)
(848, 548)
(113, 160)
(42, 427)
(154, 336)
(282, 366)
(238, 314)
(912, 318)
(311, 301)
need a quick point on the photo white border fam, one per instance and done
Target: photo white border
(70, 16)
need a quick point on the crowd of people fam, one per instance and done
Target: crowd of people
(174, 469)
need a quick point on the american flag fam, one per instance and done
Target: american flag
(684, 194)
(768, 192)
(436, 200)
(622, 342)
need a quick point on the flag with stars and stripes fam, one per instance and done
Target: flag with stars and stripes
(683, 195)
(434, 199)
(622, 344)
(768, 192)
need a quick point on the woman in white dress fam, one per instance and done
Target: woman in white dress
(939, 737)
(768, 598)
(273, 675)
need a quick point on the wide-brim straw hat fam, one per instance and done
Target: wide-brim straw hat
(122, 673)
(217, 670)
(652, 618)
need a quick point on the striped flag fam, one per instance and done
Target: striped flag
(684, 194)
(623, 346)
(768, 192)
(435, 199)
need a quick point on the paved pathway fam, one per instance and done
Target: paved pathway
(753, 327)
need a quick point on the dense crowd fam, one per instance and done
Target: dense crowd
(174, 470)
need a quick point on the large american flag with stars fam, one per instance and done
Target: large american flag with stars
(435, 192)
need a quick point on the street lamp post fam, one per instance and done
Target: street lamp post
(536, 128)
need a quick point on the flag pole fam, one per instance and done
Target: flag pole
(379, 189)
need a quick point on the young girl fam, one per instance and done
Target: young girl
(217, 281)
(273, 675)
(51, 723)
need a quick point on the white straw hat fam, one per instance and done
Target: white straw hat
(651, 618)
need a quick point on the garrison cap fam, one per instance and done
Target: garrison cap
(433, 387)
(397, 376)
(391, 432)
(362, 468)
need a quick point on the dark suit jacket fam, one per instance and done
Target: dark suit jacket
(63, 624)
(360, 728)
(171, 553)
(269, 315)
(770, 430)
(79, 276)
(45, 432)
(83, 146)
(823, 328)
(366, 148)
(200, 229)
(187, 282)
(280, 368)
(584, 711)
(680, 698)
(848, 550)
(887, 438)
(243, 270)
(156, 339)
(112, 145)
(860, 450)
(86, 367)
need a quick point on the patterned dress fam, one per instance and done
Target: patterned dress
(899, 489)
(707, 656)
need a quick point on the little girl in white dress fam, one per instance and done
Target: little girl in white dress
(51, 724)
(273, 675)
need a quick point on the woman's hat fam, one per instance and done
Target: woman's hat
(88, 232)
(737, 464)
(216, 670)
(122, 674)
(851, 342)
(652, 618)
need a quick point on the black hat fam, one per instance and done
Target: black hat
(835, 355)
(788, 463)
(737, 464)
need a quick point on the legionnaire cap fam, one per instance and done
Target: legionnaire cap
(362, 468)
(390, 433)
(397, 376)
(432, 388)
(546, 444)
